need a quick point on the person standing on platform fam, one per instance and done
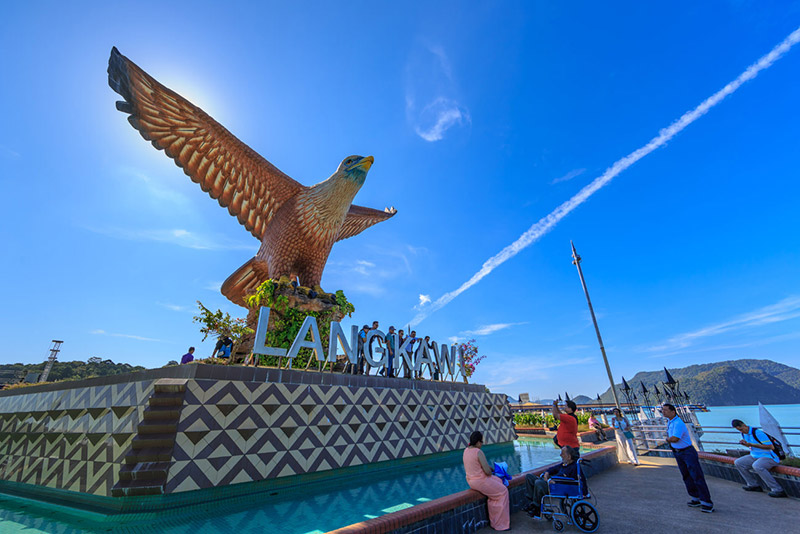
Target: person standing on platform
(688, 462)
(622, 430)
(401, 338)
(390, 339)
(567, 434)
(189, 356)
(358, 369)
(412, 352)
(480, 477)
(761, 459)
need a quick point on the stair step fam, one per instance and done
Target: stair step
(131, 488)
(167, 399)
(153, 441)
(137, 472)
(170, 385)
(162, 413)
(153, 427)
(163, 454)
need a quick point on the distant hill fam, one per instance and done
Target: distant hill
(583, 399)
(728, 383)
(70, 370)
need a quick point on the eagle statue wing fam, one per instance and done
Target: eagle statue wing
(360, 218)
(227, 169)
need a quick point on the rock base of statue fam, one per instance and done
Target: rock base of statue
(286, 298)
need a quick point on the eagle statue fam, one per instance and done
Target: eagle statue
(297, 225)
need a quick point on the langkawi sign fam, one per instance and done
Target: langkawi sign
(435, 356)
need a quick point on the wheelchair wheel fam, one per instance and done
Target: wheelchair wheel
(558, 525)
(585, 516)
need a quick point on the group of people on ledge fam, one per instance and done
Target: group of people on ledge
(389, 342)
(764, 455)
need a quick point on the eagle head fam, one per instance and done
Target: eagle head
(355, 168)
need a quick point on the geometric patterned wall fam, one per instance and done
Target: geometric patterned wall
(72, 439)
(237, 425)
(232, 432)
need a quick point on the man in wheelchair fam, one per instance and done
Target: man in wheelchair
(565, 478)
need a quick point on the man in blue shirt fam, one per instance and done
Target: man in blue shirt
(761, 459)
(688, 462)
(391, 341)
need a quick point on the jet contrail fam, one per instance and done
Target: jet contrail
(548, 222)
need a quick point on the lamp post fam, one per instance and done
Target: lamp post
(626, 390)
(657, 393)
(672, 388)
(670, 384)
(646, 397)
(576, 260)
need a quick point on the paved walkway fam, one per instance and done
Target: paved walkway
(652, 499)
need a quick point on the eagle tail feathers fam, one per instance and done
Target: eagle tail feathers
(247, 277)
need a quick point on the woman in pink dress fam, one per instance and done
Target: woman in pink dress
(480, 477)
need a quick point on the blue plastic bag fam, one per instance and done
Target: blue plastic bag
(501, 471)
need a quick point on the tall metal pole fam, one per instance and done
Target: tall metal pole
(50, 360)
(576, 260)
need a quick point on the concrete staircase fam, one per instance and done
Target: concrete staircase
(147, 463)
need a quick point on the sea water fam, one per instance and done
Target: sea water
(788, 415)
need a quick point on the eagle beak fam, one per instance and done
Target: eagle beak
(365, 163)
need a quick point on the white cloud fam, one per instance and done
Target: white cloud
(128, 336)
(786, 309)
(547, 223)
(363, 266)
(155, 189)
(569, 176)
(432, 106)
(488, 329)
(173, 307)
(526, 369)
(176, 236)
(8, 153)
(484, 330)
(424, 299)
(438, 117)
(213, 286)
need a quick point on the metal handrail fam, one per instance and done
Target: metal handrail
(736, 443)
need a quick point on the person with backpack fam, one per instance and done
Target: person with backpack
(764, 455)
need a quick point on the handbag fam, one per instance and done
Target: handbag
(628, 434)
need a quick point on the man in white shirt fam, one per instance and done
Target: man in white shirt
(688, 462)
(761, 459)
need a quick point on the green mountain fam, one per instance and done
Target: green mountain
(728, 383)
(67, 370)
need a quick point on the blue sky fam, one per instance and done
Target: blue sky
(482, 119)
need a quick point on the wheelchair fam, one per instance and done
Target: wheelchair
(568, 503)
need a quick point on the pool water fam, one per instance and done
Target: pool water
(309, 509)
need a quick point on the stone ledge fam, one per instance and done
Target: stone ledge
(201, 371)
(720, 466)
